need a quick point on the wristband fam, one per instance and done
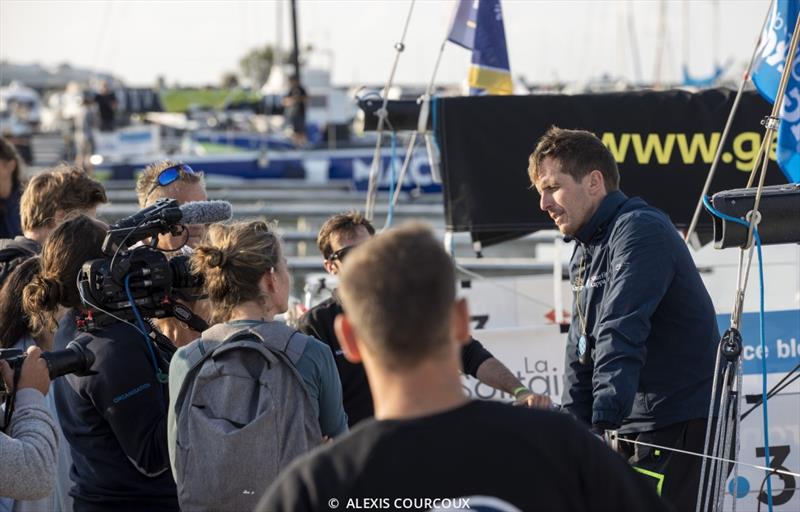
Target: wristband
(519, 390)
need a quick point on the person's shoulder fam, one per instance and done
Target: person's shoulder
(642, 219)
(20, 245)
(333, 465)
(327, 306)
(321, 312)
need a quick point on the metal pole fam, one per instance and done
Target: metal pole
(727, 128)
(295, 42)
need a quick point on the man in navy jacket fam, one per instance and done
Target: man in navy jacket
(641, 346)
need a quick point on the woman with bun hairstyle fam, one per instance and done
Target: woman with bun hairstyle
(247, 280)
(248, 284)
(115, 419)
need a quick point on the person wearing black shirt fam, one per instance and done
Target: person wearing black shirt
(407, 330)
(336, 238)
(114, 420)
(294, 105)
(106, 102)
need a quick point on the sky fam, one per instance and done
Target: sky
(195, 42)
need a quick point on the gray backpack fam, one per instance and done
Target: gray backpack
(241, 414)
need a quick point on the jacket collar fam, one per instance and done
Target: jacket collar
(605, 213)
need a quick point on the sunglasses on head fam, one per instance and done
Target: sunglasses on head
(341, 253)
(170, 175)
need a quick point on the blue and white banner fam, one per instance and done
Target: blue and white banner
(770, 62)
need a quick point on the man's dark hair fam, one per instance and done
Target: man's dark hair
(344, 223)
(398, 290)
(579, 152)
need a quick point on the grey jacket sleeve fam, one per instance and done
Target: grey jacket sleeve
(28, 456)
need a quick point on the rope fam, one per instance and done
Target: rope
(390, 213)
(372, 188)
(752, 224)
(712, 457)
(726, 130)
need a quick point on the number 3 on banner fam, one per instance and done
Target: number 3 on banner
(779, 455)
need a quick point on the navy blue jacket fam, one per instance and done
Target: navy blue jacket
(650, 317)
(116, 423)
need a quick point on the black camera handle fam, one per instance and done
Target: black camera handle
(11, 399)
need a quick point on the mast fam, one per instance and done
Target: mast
(295, 56)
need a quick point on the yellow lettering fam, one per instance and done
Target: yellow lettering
(699, 143)
(653, 145)
(618, 151)
(745, 149)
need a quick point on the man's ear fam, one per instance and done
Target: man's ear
(460, 321)
(347, 338)
(597, 182)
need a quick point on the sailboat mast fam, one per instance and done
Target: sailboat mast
(295, 41)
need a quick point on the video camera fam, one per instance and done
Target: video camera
(140, 274)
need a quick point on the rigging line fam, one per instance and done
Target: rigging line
(372, 188)
(101, 37)
(726, 130)
(777, 388)
(752, 223)
(719, 459)
(421, 123)
(501, 285)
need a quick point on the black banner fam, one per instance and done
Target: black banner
(664, 143)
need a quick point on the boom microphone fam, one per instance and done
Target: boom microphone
(206, 212)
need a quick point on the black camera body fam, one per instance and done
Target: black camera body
(76, 358)
(153, 281)
(140, 275)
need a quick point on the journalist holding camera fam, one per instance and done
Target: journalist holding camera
(29, 443)
(114, 418)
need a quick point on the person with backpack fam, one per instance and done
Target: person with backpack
(48, 198)
(115, 420)
(251, 394)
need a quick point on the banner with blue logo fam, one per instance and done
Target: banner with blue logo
(782, 340)
(770, 62)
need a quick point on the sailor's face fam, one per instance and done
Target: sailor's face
(568, 202)
(183, 193)
(340, 242)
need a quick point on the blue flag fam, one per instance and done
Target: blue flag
(462, 31)
(770, 63)
(478, 26)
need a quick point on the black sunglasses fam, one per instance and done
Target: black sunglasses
(169, 176)
(341, 253)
